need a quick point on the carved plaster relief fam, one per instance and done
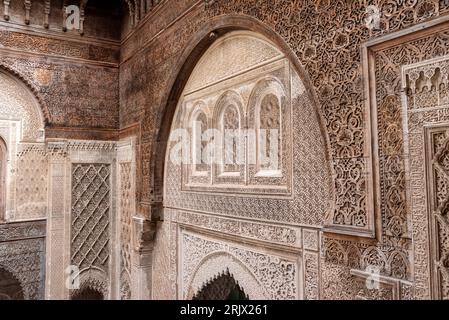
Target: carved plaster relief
(253, 100)
(127, 211)
(265, 92)
(26, 166)
(294, 196)
(22, 253)
(82, 219)
(425, 112)
(227, 236)
(17, 103)
(261, 275)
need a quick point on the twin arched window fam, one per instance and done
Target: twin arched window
(258, 148)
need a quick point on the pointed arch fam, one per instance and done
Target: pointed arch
(219, 263)
(32, 88)
(189, 58)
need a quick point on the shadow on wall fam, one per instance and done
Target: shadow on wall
(222, 287)
(88, 294)
(10, 288)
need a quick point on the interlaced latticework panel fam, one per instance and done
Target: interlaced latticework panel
(440, 170)
(91, 192)
(125, 229)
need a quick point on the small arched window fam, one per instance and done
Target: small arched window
(230, 123)
(269, 135)
(199, 145)
(3, 163)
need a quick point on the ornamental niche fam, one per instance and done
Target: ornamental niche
(273, 168)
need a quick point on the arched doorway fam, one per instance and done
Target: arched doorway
(3, 161)
(223, 287)
(88, 294)
(10, 288)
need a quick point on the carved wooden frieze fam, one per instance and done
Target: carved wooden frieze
(57, 47)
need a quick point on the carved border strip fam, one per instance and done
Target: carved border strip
(369, 50)
(261, 232)
(22, 230)
(425, 117)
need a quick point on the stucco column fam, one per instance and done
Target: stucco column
(55, 267)
(142, 259)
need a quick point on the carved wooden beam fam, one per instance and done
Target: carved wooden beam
(47, 8)
(6, 9)
(27, 5)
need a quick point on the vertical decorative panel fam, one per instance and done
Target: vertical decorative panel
(425, 85)
(439, 204)
(125, 230)
(31, 183)
(90, 229)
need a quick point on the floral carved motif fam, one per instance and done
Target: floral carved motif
(266, 276)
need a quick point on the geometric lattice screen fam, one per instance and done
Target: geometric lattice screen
(91, 200)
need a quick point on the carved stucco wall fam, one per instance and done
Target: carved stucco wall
(321, 37)
(426, 123)
(22, 254)
(30, 86)
(301, 195)
(91, 217)
(326, 36)
(126, 207)
(91, 221)
(22, 129)
(18, 103)
(74, 78)
(71, 77)
(82, 225)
